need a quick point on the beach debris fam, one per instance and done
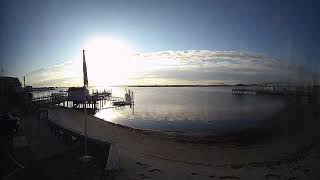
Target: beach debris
(143, 165)
(292, 178)
(237, 166)
(154, 170)
(272, 176)
(113, 158)
(229, 177)
(143, 176)
(301, 169)
(270, 166)
(306, 170)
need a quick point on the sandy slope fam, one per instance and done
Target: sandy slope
(145, 155)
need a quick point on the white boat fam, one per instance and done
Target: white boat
(121, 103)
(128, 99)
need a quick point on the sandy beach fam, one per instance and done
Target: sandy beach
(153, 156)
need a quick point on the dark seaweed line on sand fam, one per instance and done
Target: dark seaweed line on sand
(294, 157)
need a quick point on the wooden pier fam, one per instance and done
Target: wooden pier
(298, 91)
(95, 101)
(243, 91)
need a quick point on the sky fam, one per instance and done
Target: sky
(170, 41)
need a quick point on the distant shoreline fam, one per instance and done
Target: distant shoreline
(158, 85)
(183, 85)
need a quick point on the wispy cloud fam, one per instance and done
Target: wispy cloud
(179, 67)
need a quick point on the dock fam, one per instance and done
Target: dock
(94, 101)
(303, 91)
(243, 91)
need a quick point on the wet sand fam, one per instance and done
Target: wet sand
(154, 155)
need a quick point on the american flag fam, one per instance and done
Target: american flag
(85, 77)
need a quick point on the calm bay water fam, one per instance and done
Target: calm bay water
(211, 110)
(192, 109)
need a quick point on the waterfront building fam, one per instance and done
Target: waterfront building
(10, 86)
(11, 93)
(77, 93)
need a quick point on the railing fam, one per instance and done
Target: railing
(51, 99)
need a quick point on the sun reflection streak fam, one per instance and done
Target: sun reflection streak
(108, 115)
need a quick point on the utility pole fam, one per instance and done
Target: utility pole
(24, 81)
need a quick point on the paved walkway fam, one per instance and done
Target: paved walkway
(42, 142)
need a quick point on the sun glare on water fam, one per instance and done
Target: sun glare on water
(109, 61)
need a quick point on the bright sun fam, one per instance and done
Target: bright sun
(108, 61)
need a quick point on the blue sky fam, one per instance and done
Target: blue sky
(39, 34)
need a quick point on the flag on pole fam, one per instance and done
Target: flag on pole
(85, 76)
(85, 86)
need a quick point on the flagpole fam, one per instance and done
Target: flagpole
(85, 124)
(85, 157)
